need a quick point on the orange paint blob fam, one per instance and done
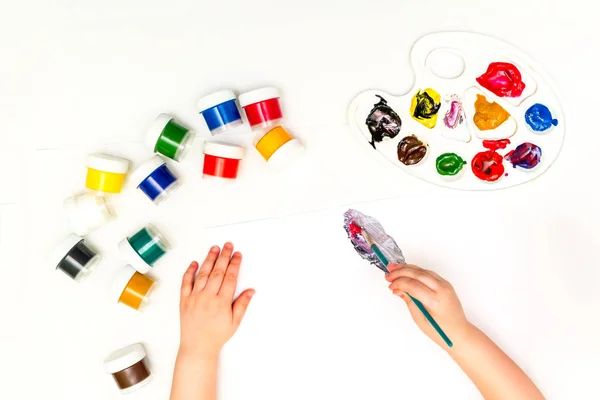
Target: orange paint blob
(488, 115)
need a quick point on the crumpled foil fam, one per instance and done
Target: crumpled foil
(354, 219)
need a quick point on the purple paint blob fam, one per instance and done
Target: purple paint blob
(454, 116)
(526, 155)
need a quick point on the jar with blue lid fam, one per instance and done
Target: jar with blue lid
(155, 179)
(220, 111)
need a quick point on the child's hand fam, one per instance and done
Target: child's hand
(208, 317)
(436, 294)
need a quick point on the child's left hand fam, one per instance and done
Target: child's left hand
(209, 316)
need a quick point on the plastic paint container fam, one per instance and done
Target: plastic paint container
(132, 288)
(75, 258)
(144, 248)
(222, 161)
(169, 138)
(220, 111)
(155, 179)
(86, 212)
(106, 173)
(262, 107)
(128, 368)
(278, 147)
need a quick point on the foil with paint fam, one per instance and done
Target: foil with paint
(383, 121)
(355, 222)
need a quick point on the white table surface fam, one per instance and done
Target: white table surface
(77, 77)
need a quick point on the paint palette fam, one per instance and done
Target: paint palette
(482, 115)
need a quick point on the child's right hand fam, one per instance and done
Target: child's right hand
(437, 295)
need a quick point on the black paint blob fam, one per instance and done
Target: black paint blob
(383, 121)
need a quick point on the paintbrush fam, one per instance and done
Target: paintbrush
(419, 305)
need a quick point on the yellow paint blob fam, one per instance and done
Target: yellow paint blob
(425, 106)
(272, 141)
(102, 181)
(136, 291)
(488, 115)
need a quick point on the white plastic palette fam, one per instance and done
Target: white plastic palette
(438, 60)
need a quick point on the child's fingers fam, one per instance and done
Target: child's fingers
(416, 288)
(216, 276)
(415, 313)
(416, 273)
(241, 305)
(187, 283)
(206, 268)
(231, 277)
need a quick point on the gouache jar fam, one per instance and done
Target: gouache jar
(106, 173)
(169, 138)
(220, 111)
(222, 161)
(128, 368)
(132, 289)
(144, 248)
(262, 107)
(278, 147)
(86, 212)
(155, 179)
(74, 257)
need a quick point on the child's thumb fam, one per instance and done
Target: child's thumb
(241, 305)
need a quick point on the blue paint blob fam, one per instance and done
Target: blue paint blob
(539, 118)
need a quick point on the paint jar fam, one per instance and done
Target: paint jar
(132, 289)
(278, 147)
(128, 368)
(222, 161)
(106, 173)
(169, 138)
(155, 179)
(74, 257)
(86, 212)
(144, 248)
(220, 111)
(262, 107)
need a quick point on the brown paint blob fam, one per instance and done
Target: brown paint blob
(411, 150)
(488, 115)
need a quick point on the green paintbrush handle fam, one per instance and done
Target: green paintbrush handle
(435, 325)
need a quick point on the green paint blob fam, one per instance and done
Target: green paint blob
(449, 164)
(149, 244)
(173, 140)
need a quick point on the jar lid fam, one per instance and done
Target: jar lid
(121, 281)
(61, 250)
(124, 358)
(107, 163)
(74, 219)
(156, 129)
(286, 154)
(225, 150)
(214, 99)
(145, 169)
(258, 95)
(132, 257)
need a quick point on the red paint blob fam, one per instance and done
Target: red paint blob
(355, 230)
(496, 144)
(503, 79)
(221, 167)
(263, 111)
(487, 166)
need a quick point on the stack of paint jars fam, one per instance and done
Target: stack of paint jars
(88, 211)
(272, 140)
